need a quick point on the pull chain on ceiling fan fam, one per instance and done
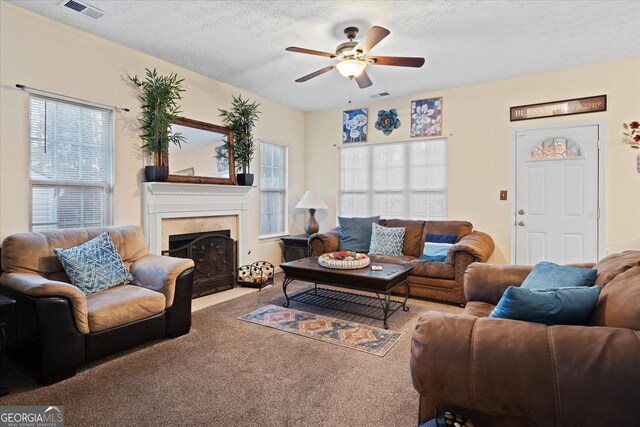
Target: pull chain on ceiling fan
(353, 57)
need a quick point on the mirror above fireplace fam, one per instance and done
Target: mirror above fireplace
(199, 160)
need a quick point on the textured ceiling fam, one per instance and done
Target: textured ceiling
(242, 42)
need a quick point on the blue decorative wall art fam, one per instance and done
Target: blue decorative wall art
(387, 121)
(354, 125)
(426, 117)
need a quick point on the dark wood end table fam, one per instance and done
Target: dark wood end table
(380, 283)
(294, 246)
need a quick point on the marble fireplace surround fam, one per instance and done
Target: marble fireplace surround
(163, 202)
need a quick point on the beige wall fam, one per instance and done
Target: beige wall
(476, 123)
(41, 53)
(38, 52)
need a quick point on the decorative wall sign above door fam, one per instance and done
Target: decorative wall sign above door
(565, 107)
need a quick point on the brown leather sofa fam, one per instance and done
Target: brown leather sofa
(501, 372)
(55, 328)
(428, 279)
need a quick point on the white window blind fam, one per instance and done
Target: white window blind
(273, 189)
(70, 164)
(397, 180)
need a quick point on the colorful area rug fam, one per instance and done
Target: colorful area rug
(335, 331)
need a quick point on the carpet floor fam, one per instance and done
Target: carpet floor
(227, 372)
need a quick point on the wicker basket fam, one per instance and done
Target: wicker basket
(329, 260)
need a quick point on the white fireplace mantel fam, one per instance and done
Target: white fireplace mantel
(162, 200)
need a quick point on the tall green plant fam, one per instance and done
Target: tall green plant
(241, 119)
(159, 96)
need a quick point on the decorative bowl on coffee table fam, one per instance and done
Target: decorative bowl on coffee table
(344, 260)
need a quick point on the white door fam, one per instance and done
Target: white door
(557, 195)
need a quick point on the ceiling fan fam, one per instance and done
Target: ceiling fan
(353, 56)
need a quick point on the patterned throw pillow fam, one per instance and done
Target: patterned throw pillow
(386, 240)
(94, 265)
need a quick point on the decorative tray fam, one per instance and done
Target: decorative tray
(344, 260)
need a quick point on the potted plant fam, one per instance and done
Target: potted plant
(159, 96)
(241, 119)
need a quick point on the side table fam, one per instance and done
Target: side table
(6, 304)
(295, 247)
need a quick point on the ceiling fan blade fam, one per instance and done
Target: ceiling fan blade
(363, 80)
(398, 61)
(315, 74)
(310, 51)
(372, 38)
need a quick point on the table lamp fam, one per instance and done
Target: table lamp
(311, 201)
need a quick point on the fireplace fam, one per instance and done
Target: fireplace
(214, 255)
(176, 208)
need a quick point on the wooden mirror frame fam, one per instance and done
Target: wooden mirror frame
(196, 124)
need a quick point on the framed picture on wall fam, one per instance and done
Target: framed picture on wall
(354, 125)
(426, 117)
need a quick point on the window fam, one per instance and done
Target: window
(70, 164)
(273, 190)
(399, 180)
(556, 148)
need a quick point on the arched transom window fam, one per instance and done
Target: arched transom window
(556, 148)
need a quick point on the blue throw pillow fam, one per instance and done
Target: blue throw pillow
(563, 306)
(547, 275)
(387, 240)
(441, 238)
(436, 251)
(355, 233)
(94, 265)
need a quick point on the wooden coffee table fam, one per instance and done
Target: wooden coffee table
(380, 283)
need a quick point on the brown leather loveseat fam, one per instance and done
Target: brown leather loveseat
(428, 279)
(501, 372)
(55, 328)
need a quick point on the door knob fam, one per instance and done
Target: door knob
(521, 212)
(521, 223)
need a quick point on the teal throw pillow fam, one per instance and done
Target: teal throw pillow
(387, 241)
(547, 275)
(436, 251)
(563, 306)
(355, 233)
(94, 265)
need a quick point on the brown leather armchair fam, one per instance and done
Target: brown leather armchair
(442, 281)
(55, 328)
(501, 372)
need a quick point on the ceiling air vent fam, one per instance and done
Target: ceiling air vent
(83, 8)
(379, 95)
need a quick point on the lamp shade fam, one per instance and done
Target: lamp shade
(311, 200)
(351, 67)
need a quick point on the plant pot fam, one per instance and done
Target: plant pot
(245, 179)
(156, 173)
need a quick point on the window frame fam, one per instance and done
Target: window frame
(110, 185)
(284, 193)
(406, 191)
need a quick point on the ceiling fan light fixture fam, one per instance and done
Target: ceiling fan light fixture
(351, 68)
